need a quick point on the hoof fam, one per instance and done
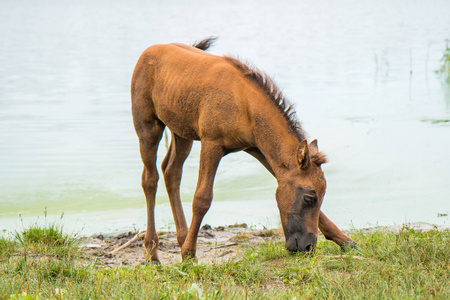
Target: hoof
(189, 260)
(349, 245)
(152, 263)
(187, 254)
(189, 257)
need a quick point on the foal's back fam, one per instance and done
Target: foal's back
(196, 94)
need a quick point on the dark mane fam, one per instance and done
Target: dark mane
(264, 82)
(275, 95)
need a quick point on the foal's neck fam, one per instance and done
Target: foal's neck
(278, 145)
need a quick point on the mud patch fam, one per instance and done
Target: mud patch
(214, 245)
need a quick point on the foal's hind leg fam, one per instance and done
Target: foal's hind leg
(149, 136)
(172, 167)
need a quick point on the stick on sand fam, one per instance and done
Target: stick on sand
(135, 238)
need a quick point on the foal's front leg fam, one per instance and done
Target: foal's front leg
(210, 156)
(332, 232)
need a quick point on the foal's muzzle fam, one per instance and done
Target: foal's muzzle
(301, 243)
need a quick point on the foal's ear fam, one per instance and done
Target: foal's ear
(316, 156)
(313, 147)
(303, 157)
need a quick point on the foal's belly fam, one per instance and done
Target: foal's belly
(180, 123)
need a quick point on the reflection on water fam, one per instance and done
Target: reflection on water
(361, 76)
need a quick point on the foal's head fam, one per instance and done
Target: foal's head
(299, 198)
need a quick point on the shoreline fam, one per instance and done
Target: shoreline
(214, 245)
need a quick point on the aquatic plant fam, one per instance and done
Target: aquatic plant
(445, 60)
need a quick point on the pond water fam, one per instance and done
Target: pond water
(361, 76)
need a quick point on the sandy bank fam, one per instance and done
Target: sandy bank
(214, 245)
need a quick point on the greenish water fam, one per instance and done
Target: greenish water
(361, 76)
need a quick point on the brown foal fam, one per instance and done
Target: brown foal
(227, 106)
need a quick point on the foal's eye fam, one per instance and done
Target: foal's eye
(309, 200)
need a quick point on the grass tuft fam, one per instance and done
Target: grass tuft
(50, 235)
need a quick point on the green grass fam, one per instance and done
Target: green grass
(42, 263)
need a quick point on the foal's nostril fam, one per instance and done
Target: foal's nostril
(309, 248)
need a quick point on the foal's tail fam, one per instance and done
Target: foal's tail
(205, 44)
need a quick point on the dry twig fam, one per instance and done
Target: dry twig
(135, 238)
